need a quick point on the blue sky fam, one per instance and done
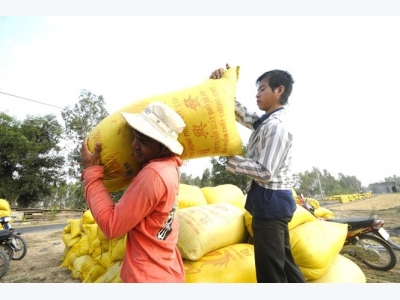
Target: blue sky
(343, 112)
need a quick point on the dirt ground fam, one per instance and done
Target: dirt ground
(43, 259)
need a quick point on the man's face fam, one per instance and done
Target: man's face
(145, 148)
(267, 99)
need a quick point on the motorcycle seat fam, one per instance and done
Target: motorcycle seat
(5, 233)
(354, 222)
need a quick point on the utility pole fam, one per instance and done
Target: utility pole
(319, 183)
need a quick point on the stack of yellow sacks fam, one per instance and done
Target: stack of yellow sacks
(349, 198)
(214, 243)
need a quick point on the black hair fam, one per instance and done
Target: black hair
(164, 150)
(277, 78)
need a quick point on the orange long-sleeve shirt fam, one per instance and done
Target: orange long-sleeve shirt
(146, 212)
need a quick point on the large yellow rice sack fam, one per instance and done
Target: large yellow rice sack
(211, 130)
(341, 270)
(190, 195)
(224, 193)
(315, 245)
(230, 264)
(324, 213)
(205, 228)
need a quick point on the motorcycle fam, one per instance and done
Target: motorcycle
(366, 240)
(11, 240)
(4, 263)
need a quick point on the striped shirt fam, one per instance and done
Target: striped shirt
(269, 152)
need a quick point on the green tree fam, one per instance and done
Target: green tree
(187, 179)
(219, 174)
(66, 196)
(329, 184)
(31, 162)
(79, 121)
(394, 178)
(206, 178)
(310, 183)
(307, 183)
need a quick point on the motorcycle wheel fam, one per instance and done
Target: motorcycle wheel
(8, 250)
(23, 248)
(4, 263)
(387, 259)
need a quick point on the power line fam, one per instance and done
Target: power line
(31, 100)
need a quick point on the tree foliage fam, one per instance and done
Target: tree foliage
(393, 178)
(312, 183)
(79, 121)
(31, 162)
(217, 175)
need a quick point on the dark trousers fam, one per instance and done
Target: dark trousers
(273, 256)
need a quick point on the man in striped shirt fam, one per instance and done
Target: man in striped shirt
(268, 164)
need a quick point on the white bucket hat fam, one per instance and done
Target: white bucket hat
(160, 122)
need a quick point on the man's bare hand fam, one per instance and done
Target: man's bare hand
(217, 74)
(90, 159)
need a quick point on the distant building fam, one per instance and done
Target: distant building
(385, 187)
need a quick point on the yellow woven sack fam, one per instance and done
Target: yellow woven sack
(69, 256)
(67, 229)
(225, 193)
(230, 264)
(87, 217)
(82, 266)
(324, 213)
(95, 272)
(71, 260)
(211, 130)
(205, 228)
(75, 227)
(117, 249)
(66, 237)
(5, 209)
(315, 244)
(104, 259)
(300, 216)
(86, 268)
(4, 205)
(190, 195)
(112, 274)
(341, 270)
(83, 245)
